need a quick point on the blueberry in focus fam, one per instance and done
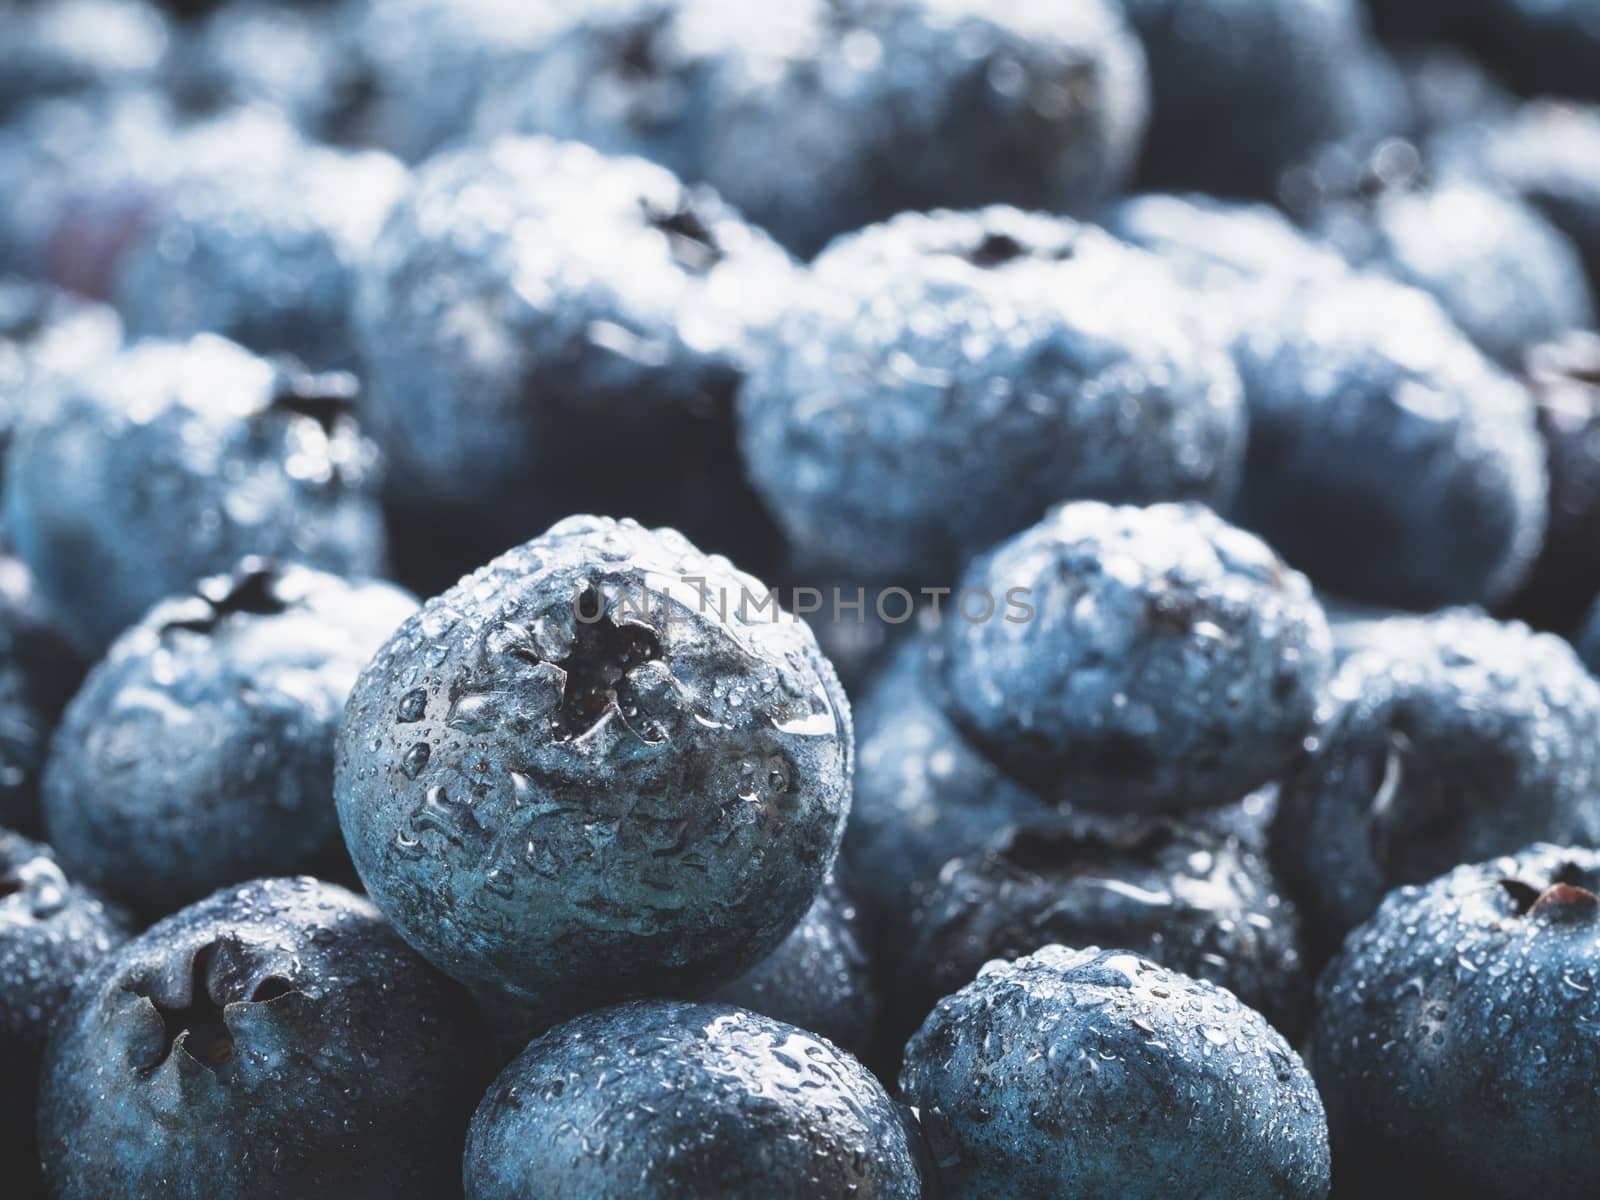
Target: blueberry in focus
(45, 333)
(1503, 274)
(267, 259)
(824, 116)
(820, 977)
(662, 1098)
(1185, 896)
(1268, 72)
(199, 751)
(51, 931)
(277, 1038)
(1138, 659)
(1096, 1073)
(171, 461)
(604, 764)
(39, 671)
(945, 378)
(1452, 1039)
(550, 331)
(1564, 377)
(1388, 459)
(1446, 740)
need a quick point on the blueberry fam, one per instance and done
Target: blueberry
(664, 1098)
(1185, 896)
(259, 52)
(946, 378)
(833, 114)
(1565, 378)
(1451, 1041)
(266, 259)
(549, 331)
(39, 671)
(1268, 72)
(1151, 659)
(61, 47)
(1097, 1073)
(51, 931)
(923, 793)
(1446, 740)
(1548, 153)
(413, 70)
(171, 461)
(1502, 273)
(1387, 458)
(601, 765)
(45, 334)
(276, 1039)
(820, 976)
(80, 179)
(199, 752)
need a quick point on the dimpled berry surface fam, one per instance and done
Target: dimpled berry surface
(947, 378)
(52, 930)
(1170, 661)
(1188, 897)
(571, 811)
(276, 1039)
(199, 752)
(1444, 740)
(1097, 1073)
(658, 1099)
(1454, 1036)
(820, 977)
(171, 461)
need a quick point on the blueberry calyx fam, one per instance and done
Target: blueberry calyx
(196, 1026)
(596, 669)
(252, 590)
(1565, 898)
(327, 397)
(995, 250)
(693, 245)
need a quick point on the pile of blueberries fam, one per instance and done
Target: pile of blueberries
(1013, 599)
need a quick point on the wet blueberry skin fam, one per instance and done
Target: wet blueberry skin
(277, 1038)
(1545, 151)
(39, 671)
(183, 458)
(1388, 458)
(1190, 898)
(1565, 379)
(266, 259)
(1506, 276)
(662, 1098)
(923, 793)
(820, 978)
(70, 47)
(1444, 740)
(1451, 1040)
(821, 118)
(199, 751)
(1169, 660)
(574, 811)
(549, 331)
(948, 377)
(1098, 1073)
(51, 931)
